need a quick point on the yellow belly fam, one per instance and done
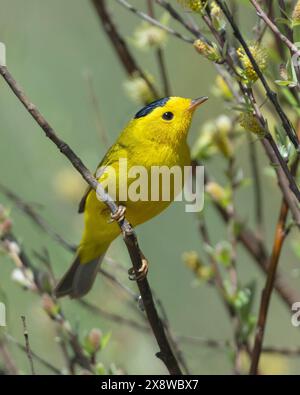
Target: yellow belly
(99, 232)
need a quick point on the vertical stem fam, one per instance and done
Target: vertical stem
(119, 44)
(160, 57)
(267, 291)
(28, 349)
(257, 187)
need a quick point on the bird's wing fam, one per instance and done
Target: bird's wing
(117, 151)
(83, 200)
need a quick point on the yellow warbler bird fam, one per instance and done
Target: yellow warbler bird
(156, 136)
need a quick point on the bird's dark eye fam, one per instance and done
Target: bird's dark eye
(168, 116)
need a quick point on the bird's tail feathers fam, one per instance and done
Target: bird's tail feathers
(78, 280)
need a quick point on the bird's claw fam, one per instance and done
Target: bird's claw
(142, 272)
(119, 215)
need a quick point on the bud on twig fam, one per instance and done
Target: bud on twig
(208, 51)
(218, 193)
(50, 307)
(147, 36)
(194, 5)
(217, 16)
(138, 90)
(94, 338)
(250, 123)
(296, 14)
(260, 56)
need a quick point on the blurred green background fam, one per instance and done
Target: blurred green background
(51, 48)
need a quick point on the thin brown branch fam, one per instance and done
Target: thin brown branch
(95, 104)
(166, 353)
(292, 183)
(39, 359)
(258, 252)
(221, 344)
(8, 362)
(160, 57)
(217, 275)
(283, 183)
(218, 282)
(267, 291)
(27, 345)
(269, 141)
(154, 22)
(258, 199)
(113, 316)
(293, 48)
(175, 15)
(120, 46)
(288, 127)
(29, 210)
(270, 145)
(287, 351)
(22, 261)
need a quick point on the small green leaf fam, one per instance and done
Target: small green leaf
(223, 252)
(105, 339)
(285, 83)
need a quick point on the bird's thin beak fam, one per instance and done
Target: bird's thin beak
(197, 102)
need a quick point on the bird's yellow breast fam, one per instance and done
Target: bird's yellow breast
(150, 158)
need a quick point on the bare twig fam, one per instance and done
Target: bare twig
(27, 344)
(211, 343)
(166, 353)
(258, 199)
(283, 183)
(267, 291)
(9, 363)
(95, 105)
(160, 57)
(120, 45)
(175, 15)
(288, 351)
(288, 127)
(258, 252)
(154, 22)
(29, 210)
(274, 28)
(34, 355)
(95, 309)
(221, 344)
(217, 275)
(287, 40)
(113, 316)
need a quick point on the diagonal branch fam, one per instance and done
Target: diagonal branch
(154, 22)
(27, 345)
(280, 234)
(292, 47)
(160, 57)
(270, 94)
(258, 252)
(174, 14)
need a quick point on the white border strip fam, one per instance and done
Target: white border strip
(2, 54)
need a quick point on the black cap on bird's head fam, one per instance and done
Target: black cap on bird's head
(151, 106)
(162, 102)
